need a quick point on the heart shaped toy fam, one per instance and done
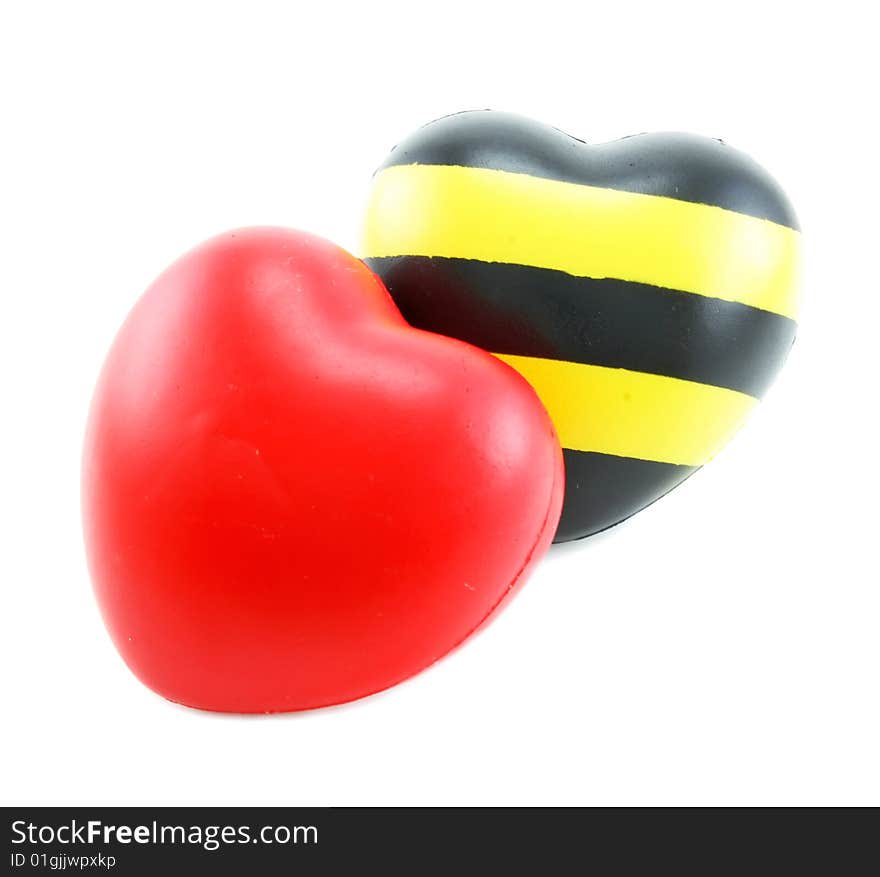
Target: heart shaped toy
(291, 497)
(645, 287)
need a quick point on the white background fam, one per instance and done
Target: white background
(721, 647)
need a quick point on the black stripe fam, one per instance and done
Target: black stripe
(527, 311)
(602, 490)
(675, 165)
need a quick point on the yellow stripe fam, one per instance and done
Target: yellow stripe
(587, 231)
(634, 414)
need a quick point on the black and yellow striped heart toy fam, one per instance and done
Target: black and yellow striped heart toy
(646, 288)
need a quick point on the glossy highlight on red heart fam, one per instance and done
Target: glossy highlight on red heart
(291, 497)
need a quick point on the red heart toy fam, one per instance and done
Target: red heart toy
(291, 497)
